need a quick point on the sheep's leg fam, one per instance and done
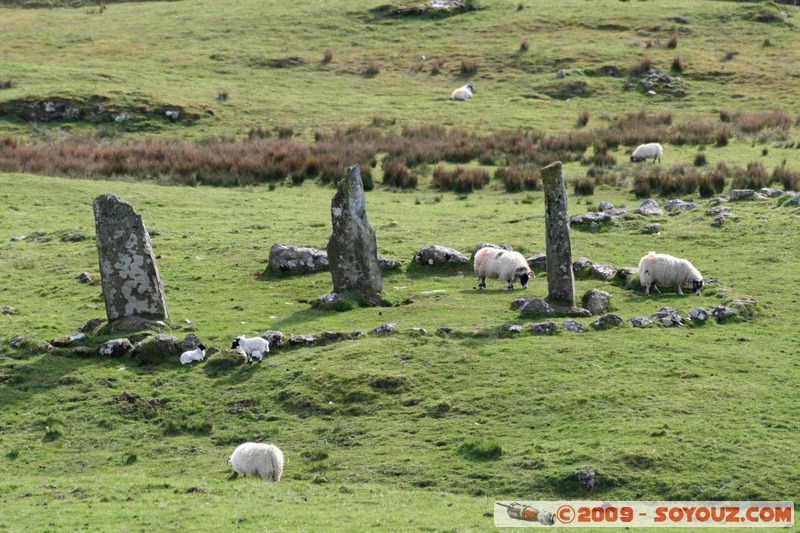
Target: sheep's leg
(481, 282)
(511, 285)
(647, 291)
(680, 292)
(656, 288)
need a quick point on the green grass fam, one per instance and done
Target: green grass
(403, 431)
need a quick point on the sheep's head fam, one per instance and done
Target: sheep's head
(201, 346)
(236, 342)
(696, 286)
(471, 88)
(524, 275)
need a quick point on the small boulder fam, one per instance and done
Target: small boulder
(649, 208)
(606, 321)
(538, 262)
(544, 328)
(596, 301)
(668, 317)
(574, 327)
(698, 314)
(676, 206)
(439, 256)
(291, 259)
(602, 272)
(532, 307)
(743, 194)
(276, 339)
(640, 322)
(115, 348)
(721, 313)
(384, 329)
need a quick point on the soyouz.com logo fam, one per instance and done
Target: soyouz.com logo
(642, 514)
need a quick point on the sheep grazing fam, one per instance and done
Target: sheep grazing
(496, 263)
(253, 348)
(668, 271)
(263, 461)
(194, 356)
(644, 151)
(463, 93)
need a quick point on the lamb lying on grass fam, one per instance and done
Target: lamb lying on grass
(194, 356)
(463, 93)
(668, 271)
(263, 461)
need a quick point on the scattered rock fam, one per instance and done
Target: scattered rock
(605, 207)
(676, 206)
(581, 265)
(721, 313)
(276, 339)
(300, 340)
(332, 336)
(92, 325)
(609, 320)
(7, 310)
(419, 331)
(115, 348)
(17, 341)
(586, 479)
(626, 272)
(596, 301)
(652, 229)
(698, 314)
(532, 306)
(82, 351)
(649, 208)
(743, 194)
(357, 335)
(134, 323)
(544, 328)
(514, 329)
(84, 277)
(771, 193)
(291, 259)
(640, 322)
(439, 256)
(668, 317)
(444, 331)
(190, 342)
(382, 330)
(574, 327)
(602, 272)
(538, 262)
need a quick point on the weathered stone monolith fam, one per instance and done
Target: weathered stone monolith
(352, 248)
(560, 279)
(131, 283)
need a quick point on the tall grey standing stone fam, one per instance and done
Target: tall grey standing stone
(560, 278)
(352, 248)
(131, 283)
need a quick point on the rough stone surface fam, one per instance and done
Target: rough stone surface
(297, 259)
(328, 299)
(300, 340)
(698, 314)
(771, 193)
(276, 339)
(676, 206)
(668, 317)
(353, 248)
(544, 328)
(586, 479)
(602, 272)
(640, 322)
(17, 341)
(721, 313)
(625, 272)
(538, 262)
(652, 228)
(581, 265)
(743, 194)
(444, 331)
(560, 278)
(532, 306)
(167, 344)
(419, 331)
(190, 342)
(596, 301)
(133, 323)
(7, 310)
(604, 207)
(382, 330)
(129, 275)
(84, 277)
(609, 320)
(439, 256)
(574, 327)
(649, 207)
(115, 348)
(514, 329)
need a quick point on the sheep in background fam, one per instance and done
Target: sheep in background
(263, 461)
(643, 151)
(194, 356)
(253, 347)
(503, 265)
(668, 271)
(463, 93)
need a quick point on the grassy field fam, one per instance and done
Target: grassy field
(400, 432)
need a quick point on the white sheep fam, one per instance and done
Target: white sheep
(643, 151)
(503, 265)
(668, 271)
(263, 461)
(254, 347)
(463, 93)
(194, 356)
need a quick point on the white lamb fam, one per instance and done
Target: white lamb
(644, 151)
(263, 461)
(668, 271)
(254, 347)
(463, 93)
(496, 263)
(194, 356)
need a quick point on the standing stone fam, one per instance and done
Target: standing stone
(560, 279)
(352, 248)
(131, 283)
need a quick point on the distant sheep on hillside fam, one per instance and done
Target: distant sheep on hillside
(194, 356)
(668, 271)
(263, 461)
(252, 348)
(503, 265)
(644, 151)
(463, 93)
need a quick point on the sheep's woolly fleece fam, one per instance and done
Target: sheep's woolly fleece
(668, 271)
(645, 151)
(503, 265)
(264, 461)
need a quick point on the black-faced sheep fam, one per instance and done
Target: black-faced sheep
(503, 265)
(644, 151)
(263, 461)
(252, 348)
(194, 356)
(463, 93)
(668, 271)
